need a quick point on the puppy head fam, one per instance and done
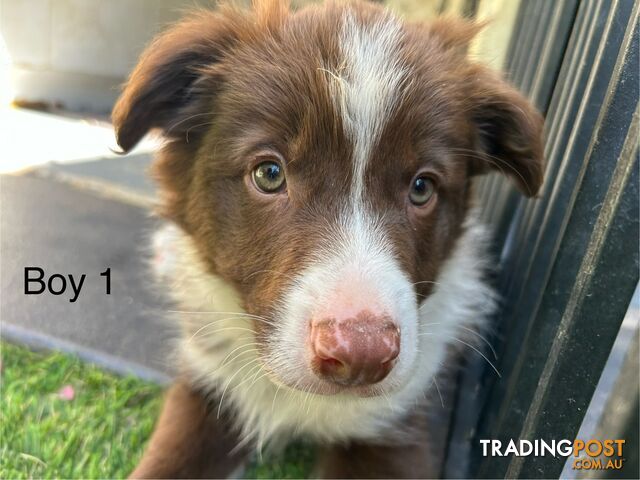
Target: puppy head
(321, 162)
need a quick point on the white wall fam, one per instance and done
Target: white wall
(76, 53)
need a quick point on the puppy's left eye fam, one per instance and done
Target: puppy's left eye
(422, 189)
(269, 176)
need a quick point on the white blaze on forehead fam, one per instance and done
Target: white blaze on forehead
(355, 267)
(369, 84)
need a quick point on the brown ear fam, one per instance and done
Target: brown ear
(509, 130)
(162, 91)
(455, 33)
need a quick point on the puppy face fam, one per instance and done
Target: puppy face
(321, 162)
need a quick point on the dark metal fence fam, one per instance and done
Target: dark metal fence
(569, 259)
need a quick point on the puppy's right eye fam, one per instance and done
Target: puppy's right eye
(422, 189)
(269, 176)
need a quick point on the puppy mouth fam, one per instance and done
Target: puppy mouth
(310, 384)
(320, 387)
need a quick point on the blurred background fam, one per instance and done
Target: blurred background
(74, 54)
(567, 337)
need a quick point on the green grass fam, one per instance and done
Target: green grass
(100, 433)
(295, 462)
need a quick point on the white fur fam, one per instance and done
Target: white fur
(355, 265)
(222, 358)
(368, 85)
(355, 268)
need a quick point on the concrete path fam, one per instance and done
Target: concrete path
(82, 217)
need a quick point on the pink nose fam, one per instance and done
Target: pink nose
(354, 351)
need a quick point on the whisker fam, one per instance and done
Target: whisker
(196, 312)
(426, 281)
(219, 330)
(247, 377)
(170, 129)
(497, 161)
(493, 351)
(242, 443)
(220, 367)
(473, 332)
(438, 390)
(196, 126)
(215, 322)
(294, 389)
(273, 402)
(229, 383)
(236, 349)
(432, 323)
(468, 345)
(259, 378)
(306, 398)
(238, 315)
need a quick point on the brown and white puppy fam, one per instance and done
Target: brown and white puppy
(317, 175)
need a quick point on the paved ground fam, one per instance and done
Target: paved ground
(30, 138)
(75, 216)
(65, 230)
(121, 174)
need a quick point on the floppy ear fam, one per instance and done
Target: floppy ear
(162, 91)
(455, 33)
(509, 131)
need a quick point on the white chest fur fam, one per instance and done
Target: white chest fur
(218, 346)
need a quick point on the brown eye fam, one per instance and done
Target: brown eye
(268, 176)
(422, 189)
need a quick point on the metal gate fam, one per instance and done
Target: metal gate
(569, 259)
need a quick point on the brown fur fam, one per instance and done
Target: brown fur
(232, 88)
(189, 441)
(213, 75)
